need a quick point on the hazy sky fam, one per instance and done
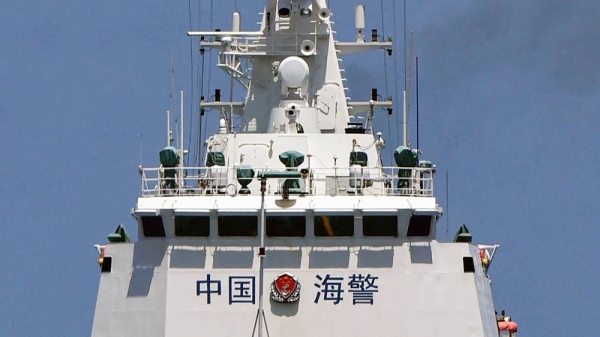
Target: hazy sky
(509, 97)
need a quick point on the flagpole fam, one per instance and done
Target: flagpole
(261, 255)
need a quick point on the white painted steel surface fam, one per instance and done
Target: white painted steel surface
(422, 291)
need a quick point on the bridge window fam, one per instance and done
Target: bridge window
(334, 225)
(286, 226)
(192, 226)
(153, 227)
(238, 225)
(380, 225)
(419, 225)
(468, 264)
(106, 264)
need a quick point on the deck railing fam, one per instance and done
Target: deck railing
(218, 180)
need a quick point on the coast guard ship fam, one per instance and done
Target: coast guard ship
(292, 225)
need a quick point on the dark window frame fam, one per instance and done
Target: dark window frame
(393, 233)
(321, 232)
(300, 232)
(106, 266)
(251, 227)
(468, 264)
(203, 227)
(152, 227)
(417, 228)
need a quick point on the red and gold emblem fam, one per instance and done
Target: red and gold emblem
(285, 288)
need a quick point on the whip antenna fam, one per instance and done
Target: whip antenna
(417, 87)
(447, 206)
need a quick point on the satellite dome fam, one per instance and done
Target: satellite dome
(293, 72)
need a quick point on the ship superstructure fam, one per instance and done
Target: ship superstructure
(292, 226)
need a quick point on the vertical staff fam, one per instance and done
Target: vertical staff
(263, 176)
(261, 255)
(181, 146)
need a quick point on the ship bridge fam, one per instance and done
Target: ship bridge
(287, 222)
(315, 250)
(316, 265)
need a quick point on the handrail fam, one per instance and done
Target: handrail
(350, 181)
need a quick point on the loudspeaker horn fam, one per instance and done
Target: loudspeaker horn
(324, 13)
(307, 48)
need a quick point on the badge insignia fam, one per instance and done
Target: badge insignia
(285, 289)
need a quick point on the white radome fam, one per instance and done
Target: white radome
(293, 72)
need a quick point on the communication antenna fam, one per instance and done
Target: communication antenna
(407, 94)
(447, 206)
(172, 77)
(405, 49)
(417, 87)
(409, 72)
(396, 63)
(169, 129)
(359, 23)
(181, 132)
(182, 150)
(141, 149)
(236, 26)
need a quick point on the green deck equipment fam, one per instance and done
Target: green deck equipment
(292, 159)
(245, 174)
(358, 158)
(119, 236)
(405, 157)
(169, 158)
(463, 235)
(215, 158)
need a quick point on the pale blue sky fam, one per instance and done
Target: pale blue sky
(509, 106)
